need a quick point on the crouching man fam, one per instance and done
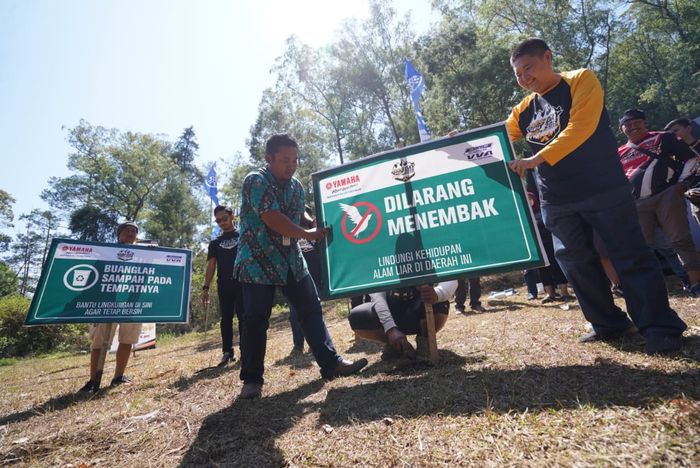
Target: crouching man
(392, 315)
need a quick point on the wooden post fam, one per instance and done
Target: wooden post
(430, 328)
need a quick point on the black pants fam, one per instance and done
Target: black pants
(230, 303)
(473, 287)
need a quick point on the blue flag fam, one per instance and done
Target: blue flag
(210, 184)
(417, 85)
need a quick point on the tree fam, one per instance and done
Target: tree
(184, 154)
(92, 223)
(174, 214)
(8, 280)
(117, 171)
(6, 218)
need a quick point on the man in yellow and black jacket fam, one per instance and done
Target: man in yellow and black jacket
(583, 188)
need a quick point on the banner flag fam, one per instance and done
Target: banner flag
(417, 85)
(210, 185)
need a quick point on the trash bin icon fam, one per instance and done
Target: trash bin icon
(80, 277)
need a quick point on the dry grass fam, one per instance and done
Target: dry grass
(514, 387)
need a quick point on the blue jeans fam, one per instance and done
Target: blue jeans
(257, 307)
(614, 216)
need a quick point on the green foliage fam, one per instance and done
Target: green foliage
(6, 215)
(8, 280)
(92, 223)
(16, 340)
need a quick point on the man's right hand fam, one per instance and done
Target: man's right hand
(316, 234)
(205, 298)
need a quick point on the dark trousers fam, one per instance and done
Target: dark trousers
(532, 277)
(230, 304)
(257, 307)
(297, 331)
(551, 275)
(471, 286)
(614, 217)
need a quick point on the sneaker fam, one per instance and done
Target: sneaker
(460, 309)
(478, 308)
(548, 299)
(251, 391)
(297, 351)
(225, 359)
(344, 368)
(122, 379)
(662, 343)
(617, 290)
(531, 297)
(89, 387)
(592, 336)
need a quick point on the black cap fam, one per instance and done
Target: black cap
(632, 114)
(126, 224)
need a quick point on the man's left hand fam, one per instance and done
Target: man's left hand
(520, 166)
(428, 294)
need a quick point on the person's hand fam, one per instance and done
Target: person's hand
(315, 234)
(520, 166)
(397, 339)
(205, 298)
(428, 294)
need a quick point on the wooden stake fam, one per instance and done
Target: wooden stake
(430, 328)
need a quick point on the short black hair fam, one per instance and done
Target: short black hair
(223, 208)
(532, 46)
(275, 142)
(683, 122)
(632, 114)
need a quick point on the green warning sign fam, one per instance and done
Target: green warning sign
(441, 210)
(97, 282)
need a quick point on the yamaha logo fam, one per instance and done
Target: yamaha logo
(76, 248)
(125, 255)
(479, 152)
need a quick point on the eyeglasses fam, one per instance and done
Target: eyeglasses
(223, 219)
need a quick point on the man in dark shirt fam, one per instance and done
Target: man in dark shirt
(654, 162)
(683, 131)
(582, 188)
(220, 257)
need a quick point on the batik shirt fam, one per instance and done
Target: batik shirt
(262, 258)
(568, 127)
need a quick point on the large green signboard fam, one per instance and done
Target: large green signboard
(96, 282)
(441, 210)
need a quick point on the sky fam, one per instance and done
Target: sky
(149, 66)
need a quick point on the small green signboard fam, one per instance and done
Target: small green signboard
(92, 282)
(442, 210)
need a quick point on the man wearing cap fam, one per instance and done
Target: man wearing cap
(582, 189)
(653, 163)
(128, 332)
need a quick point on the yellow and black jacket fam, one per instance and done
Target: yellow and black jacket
(569, 128)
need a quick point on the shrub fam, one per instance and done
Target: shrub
(17, 340)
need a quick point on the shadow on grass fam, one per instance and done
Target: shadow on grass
(246, 433)
(297, 361)
(206, 373)
(54, 404)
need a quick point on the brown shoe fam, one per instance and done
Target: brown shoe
(344, 368)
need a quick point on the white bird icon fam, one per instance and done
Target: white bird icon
(355, 216)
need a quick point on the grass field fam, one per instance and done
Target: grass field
(513, 387)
